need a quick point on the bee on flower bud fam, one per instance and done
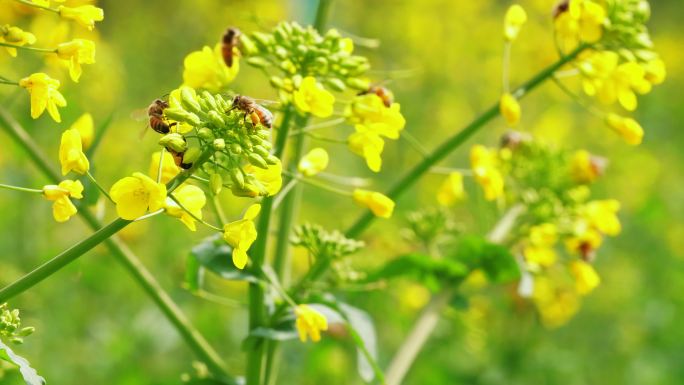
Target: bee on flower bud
(229, 42)
(382, 92)
(256, 113)
(155, 113)
(561, 7)
(513, 139)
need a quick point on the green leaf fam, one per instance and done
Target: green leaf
(193, 273)
(428, 270)
(29, 374)
(258, 335)
(496, 261)
(214, 254)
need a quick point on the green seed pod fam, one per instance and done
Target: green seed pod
(257, 161)
(335, 84)
(216, 119)
(247, 46)
(215, 183)
(205, 133)
(261, 151)
(174, 142)
(358, 84)
(219, 144)
(188, 100)
(238, 177)
(191, 155)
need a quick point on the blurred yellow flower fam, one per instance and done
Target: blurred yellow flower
(655, 71)
(63, 208)
(86, 128)
(451, 190)
(71, 155)
(241, 234)
(136, 195)
(369, 145)
(76, 52)
(555, 304)
(169, 169)
(582, 21)
(44, 94)
(513, 21)
(585, 167)
(313, 98)
(539, 251)
(629, 129)
(309, 323)
(381, 205)
(584, 241)
(586, 278)
(313, 162)
(86, 15)
(484, 165)
(206, 69)
(370, 112)
(17, 36)
(270, 180)
(192, 198)
(510, 109)
(602, 215)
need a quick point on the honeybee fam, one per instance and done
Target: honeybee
(254, 111)
(155, 112)
(178, 159)
(229, 41)
(384, 94)
(561, 7)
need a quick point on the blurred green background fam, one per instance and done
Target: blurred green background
(95, 326)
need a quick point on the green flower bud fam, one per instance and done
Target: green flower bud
(219, 144)
(258, 61)
(247, 46)
(188, 100)
(272, 159)
(182, 115)
(259, 149)
(221, 103)
(205, 133)
(280, 52)
(358, 84)
(209, 98)
(191, 155)
(216, 119)
(235, 149)
(238, 177)
(262, 39)
(174, 142)
(335, 84)
(263, 134)
(297, 80)
(215, 183)
(27, 331)
(277, 82)
(288, 66)
(257, 161)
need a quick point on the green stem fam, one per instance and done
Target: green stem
(22, 189)
(410, 178)
(209, 225)
(102, 190)
(32, 4)
(127, 258)
(8, 82)
(28, 48)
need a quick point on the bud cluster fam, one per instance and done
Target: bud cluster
(324, 244)
(299, 52)
(626, 27)
(10, 325)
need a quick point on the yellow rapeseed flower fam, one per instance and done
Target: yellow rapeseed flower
(629, 129)
(510, 109)
(86, 15)
(484, 165)
(583, 20)
(241, 234)
(368, 112)
(539, 251)
(313, 162)
(169, 169)
(381, 205)
(602, 215)
(63, 208)
(268, 181)
(586, 278)
(585, 167)
(75, 53)
(311, 97)
(71, 155)
(16, 36)
(44, 94)
(191, 198)
(584, 240)
(136, 195)
(369, 145)
(556, 304)
(513, 21)
(86, 128)
(309, 323)
(206, 69)
(451, 190)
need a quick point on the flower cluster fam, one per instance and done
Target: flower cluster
(10, 325)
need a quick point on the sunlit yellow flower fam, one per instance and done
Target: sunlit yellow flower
(192, 198)
(585, 167)
(313, 98)
(136, 195)
(369, 145)
(655, 71)
(86, 15)
(368, 112)
(44, 94)
(451, 190)
(313, 162)
(539, 251)
(556, 304)
(43, 3)
(584, 241)
(582, 21)
(629, 129)
(602, 215)
(268, 181)
(484, 165)
(513, 21)
(76, 52)
(206, 69)
(86, 128)
(381, 205)
(63, 208)
(71, 155)
(241, 234)
(16, 36)
(309, 323)
(168, 168)
(586, 278)
(510, 109)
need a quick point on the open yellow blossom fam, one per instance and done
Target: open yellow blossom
(71, 155)
(655, 71)
(63, 208)
(168, 169)
(313, 162)
(309, 323)
(629, 129)
(206, 69)
(313, 98)
(44, 94)
(192, 198)
(584, 241)
(513, 21)
(539, 251)
(15, 36)
(484, 165)
(86, 15)
(75, 53)
(241, 234)
(556, 304)
(369, 145)
(381, 205)
(585, 167)
(368, 112)
(602, 215)
(586, 278)
(582, 20)
(510, 109)
(451, 190)
(86, 128)
(267, 181)
(136, 195)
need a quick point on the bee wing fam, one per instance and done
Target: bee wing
(266, 102)
(139, 114)
(145, 128)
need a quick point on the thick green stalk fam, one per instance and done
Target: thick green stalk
(126, 257)
(411, 177)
